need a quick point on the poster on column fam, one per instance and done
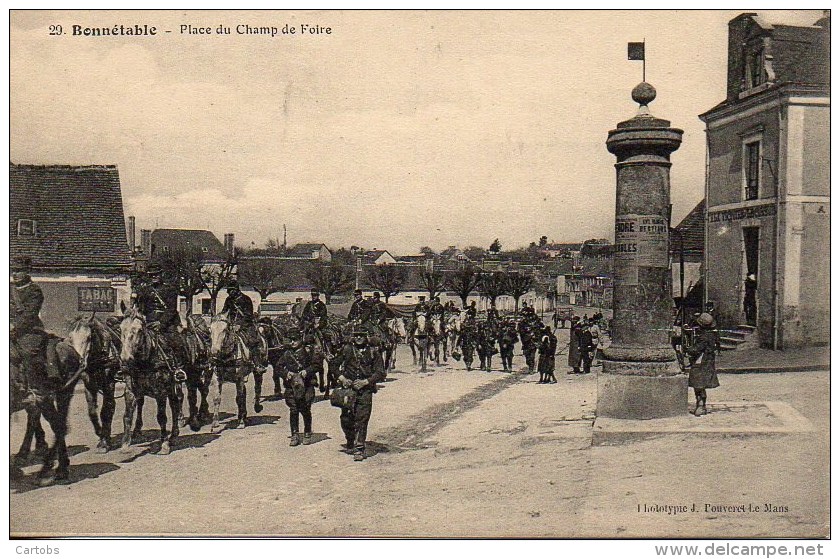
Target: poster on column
(640, 241)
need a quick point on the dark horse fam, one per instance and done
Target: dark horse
(196, 340)
(98, 346)
(147, 370)
(50, 398)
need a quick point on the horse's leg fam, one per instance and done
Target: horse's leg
(258, 379)
(161, 400)
(178, 416)
(445, 347)
(413, 352)
(49, 409)
(423, 351)
(204, 390)
(63, 409)
(91, 397)
(106, 414)
(130, 409)
(138, 424)
(216, 392)
(175, 406)
(278, 382)
(192, 401)
(32, 416)
(241, 403)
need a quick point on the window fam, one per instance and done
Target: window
(27, 227)
(756, 68)
(204, 249)
(752, 166)
(206, 306)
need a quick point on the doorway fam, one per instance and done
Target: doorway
(751, 248)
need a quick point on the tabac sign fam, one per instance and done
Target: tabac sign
(99, 299)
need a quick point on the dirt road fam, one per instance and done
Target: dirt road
(452, 453)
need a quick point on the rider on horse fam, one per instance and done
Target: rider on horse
(158, 303)
(240, 311)
(28, 335)
(359, 307)
(313, 319)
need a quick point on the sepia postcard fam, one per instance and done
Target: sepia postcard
(420, 274)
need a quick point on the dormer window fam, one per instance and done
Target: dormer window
(757, 75)
(27, 228)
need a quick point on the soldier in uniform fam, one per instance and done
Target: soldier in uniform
(467, 338)
(313, 319)
(358, 308)
(28, 336)
(471, 311)
(507, 340)
(528, 336)
(240, 310)
(301, 366)
(420, 307)
(436, 312)
(158, 303)
(360, 367)
(548, 347)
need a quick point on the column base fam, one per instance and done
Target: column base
(641, 390)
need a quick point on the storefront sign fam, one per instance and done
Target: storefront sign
(742, 213)
(101, 299)
(640, 241)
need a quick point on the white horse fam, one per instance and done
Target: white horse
(453, 323)
(395, 328)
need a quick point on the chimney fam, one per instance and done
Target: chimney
(229, 240)
(146, 241)
(131, 233)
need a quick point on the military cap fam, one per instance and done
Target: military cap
(357, 292)
(705, 320)
(360, 332)
(153, 269)
(21, 264)
(376, 295)
(314, 291)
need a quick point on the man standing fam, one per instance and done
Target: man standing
(587, 347)
(471, 311)
(360, 367)
(750, 286)
(529, 340)
(301, 368)
(27, 335)
(548, 346)
(507, 340)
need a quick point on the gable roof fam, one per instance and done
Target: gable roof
(692, 229)
(307, 247)
(186, 238)
(79, 217)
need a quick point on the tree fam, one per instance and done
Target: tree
(496, 246)
(344, 256)
(217, 276)
(331, 279)
(518, 284)
(387, 278)
(463, 281)
(183, 267)
(432, 281)
(475, 253)
(543, 241)
(427, 251)
(265, 275)
(493, 285)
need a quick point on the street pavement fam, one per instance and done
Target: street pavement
(461, 454)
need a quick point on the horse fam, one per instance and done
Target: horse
(422, 334)
(148, 371)
(230, 360)
(395, 332)
(452, 323)
(50, 399)
(98, 345)
(196, 339)
(434, 330)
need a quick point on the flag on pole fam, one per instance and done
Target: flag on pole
(635, 51)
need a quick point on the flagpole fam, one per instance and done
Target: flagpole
(644, 59)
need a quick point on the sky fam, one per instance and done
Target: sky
(397, 130)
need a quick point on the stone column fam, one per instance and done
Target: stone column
(640, 378)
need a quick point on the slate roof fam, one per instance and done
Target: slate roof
(306, 248)
(79, 216)
(182, 239)
(693, 231)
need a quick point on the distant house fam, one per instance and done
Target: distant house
(378, 257)
(687, 240)
(167, 241)
(453, 255)
(558, 250)
(70, 221)
(309, 251)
